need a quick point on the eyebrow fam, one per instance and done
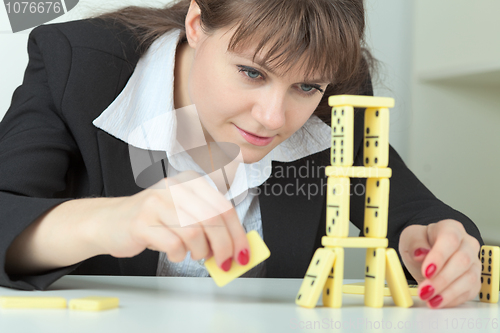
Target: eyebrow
(262, 64)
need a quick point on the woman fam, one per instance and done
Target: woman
(259, 73)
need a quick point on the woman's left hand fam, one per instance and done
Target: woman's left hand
(443, 259)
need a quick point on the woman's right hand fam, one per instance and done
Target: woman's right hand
(149, 220)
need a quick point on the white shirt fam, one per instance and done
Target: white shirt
(143, 115)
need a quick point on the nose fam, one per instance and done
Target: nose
(269, 109)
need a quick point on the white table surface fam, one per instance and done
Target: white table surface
(174, 304)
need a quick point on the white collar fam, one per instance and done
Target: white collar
(146, 103)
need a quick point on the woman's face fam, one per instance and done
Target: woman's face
(242, 102)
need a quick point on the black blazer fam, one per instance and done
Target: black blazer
(51, 152)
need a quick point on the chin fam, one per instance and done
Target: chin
(249, 160)
(252, 157)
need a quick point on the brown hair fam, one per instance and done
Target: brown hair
(330, 33)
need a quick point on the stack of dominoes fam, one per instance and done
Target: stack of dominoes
(326, 270)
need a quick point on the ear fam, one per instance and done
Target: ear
(193, 24)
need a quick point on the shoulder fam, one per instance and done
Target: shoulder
(96, 34)
(90, 57)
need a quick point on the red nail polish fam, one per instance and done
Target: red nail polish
(420, 251)
(436, 300)
(226, 265)
(426, 292)
(243, 257)
(430, 270)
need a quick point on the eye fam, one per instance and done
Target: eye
(253, 74)
(310, 89)
(306, 87)
(250, 72)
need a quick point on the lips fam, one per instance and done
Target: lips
(257, 136)
(255, 139)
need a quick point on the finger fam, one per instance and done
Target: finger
(212, 209)
(220, 241)
(445, 239)
(241, 252)
(205, 205)
(464, 288)
(194, 239)
(415, 244)
(192, 235)
(160, 213)
(458, 264)
(163, 239)
(199, 200)
(201, 206)
(413, 247)
(209, 255)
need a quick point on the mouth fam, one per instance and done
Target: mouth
(255, 139)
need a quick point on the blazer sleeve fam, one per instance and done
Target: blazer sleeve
(36, 149)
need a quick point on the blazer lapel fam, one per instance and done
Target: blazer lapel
(118, 181)
(291, 209)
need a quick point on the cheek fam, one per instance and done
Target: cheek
(298, 116)
(216, 99)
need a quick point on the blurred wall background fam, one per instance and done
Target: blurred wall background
(455, 138)
(439, 60)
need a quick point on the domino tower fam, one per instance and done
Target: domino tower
(326, 270)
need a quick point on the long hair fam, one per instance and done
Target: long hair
(328, 34)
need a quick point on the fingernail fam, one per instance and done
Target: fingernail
(426, 292)
(243, 257)
(420, 251)
(430, 270)
(436, 300)
(226, 265)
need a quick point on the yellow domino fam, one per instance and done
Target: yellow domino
(375, 277)
(315, 278)
(94, 303)
(361, 101)
(396, 280)
(350, 242)
(376, 138)
(358, 172)
(33, 302)
(490, 257)
(258, 253)
(337, 206)
(332, 291)
(358, 288)
(376, 207)
(341, 152)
